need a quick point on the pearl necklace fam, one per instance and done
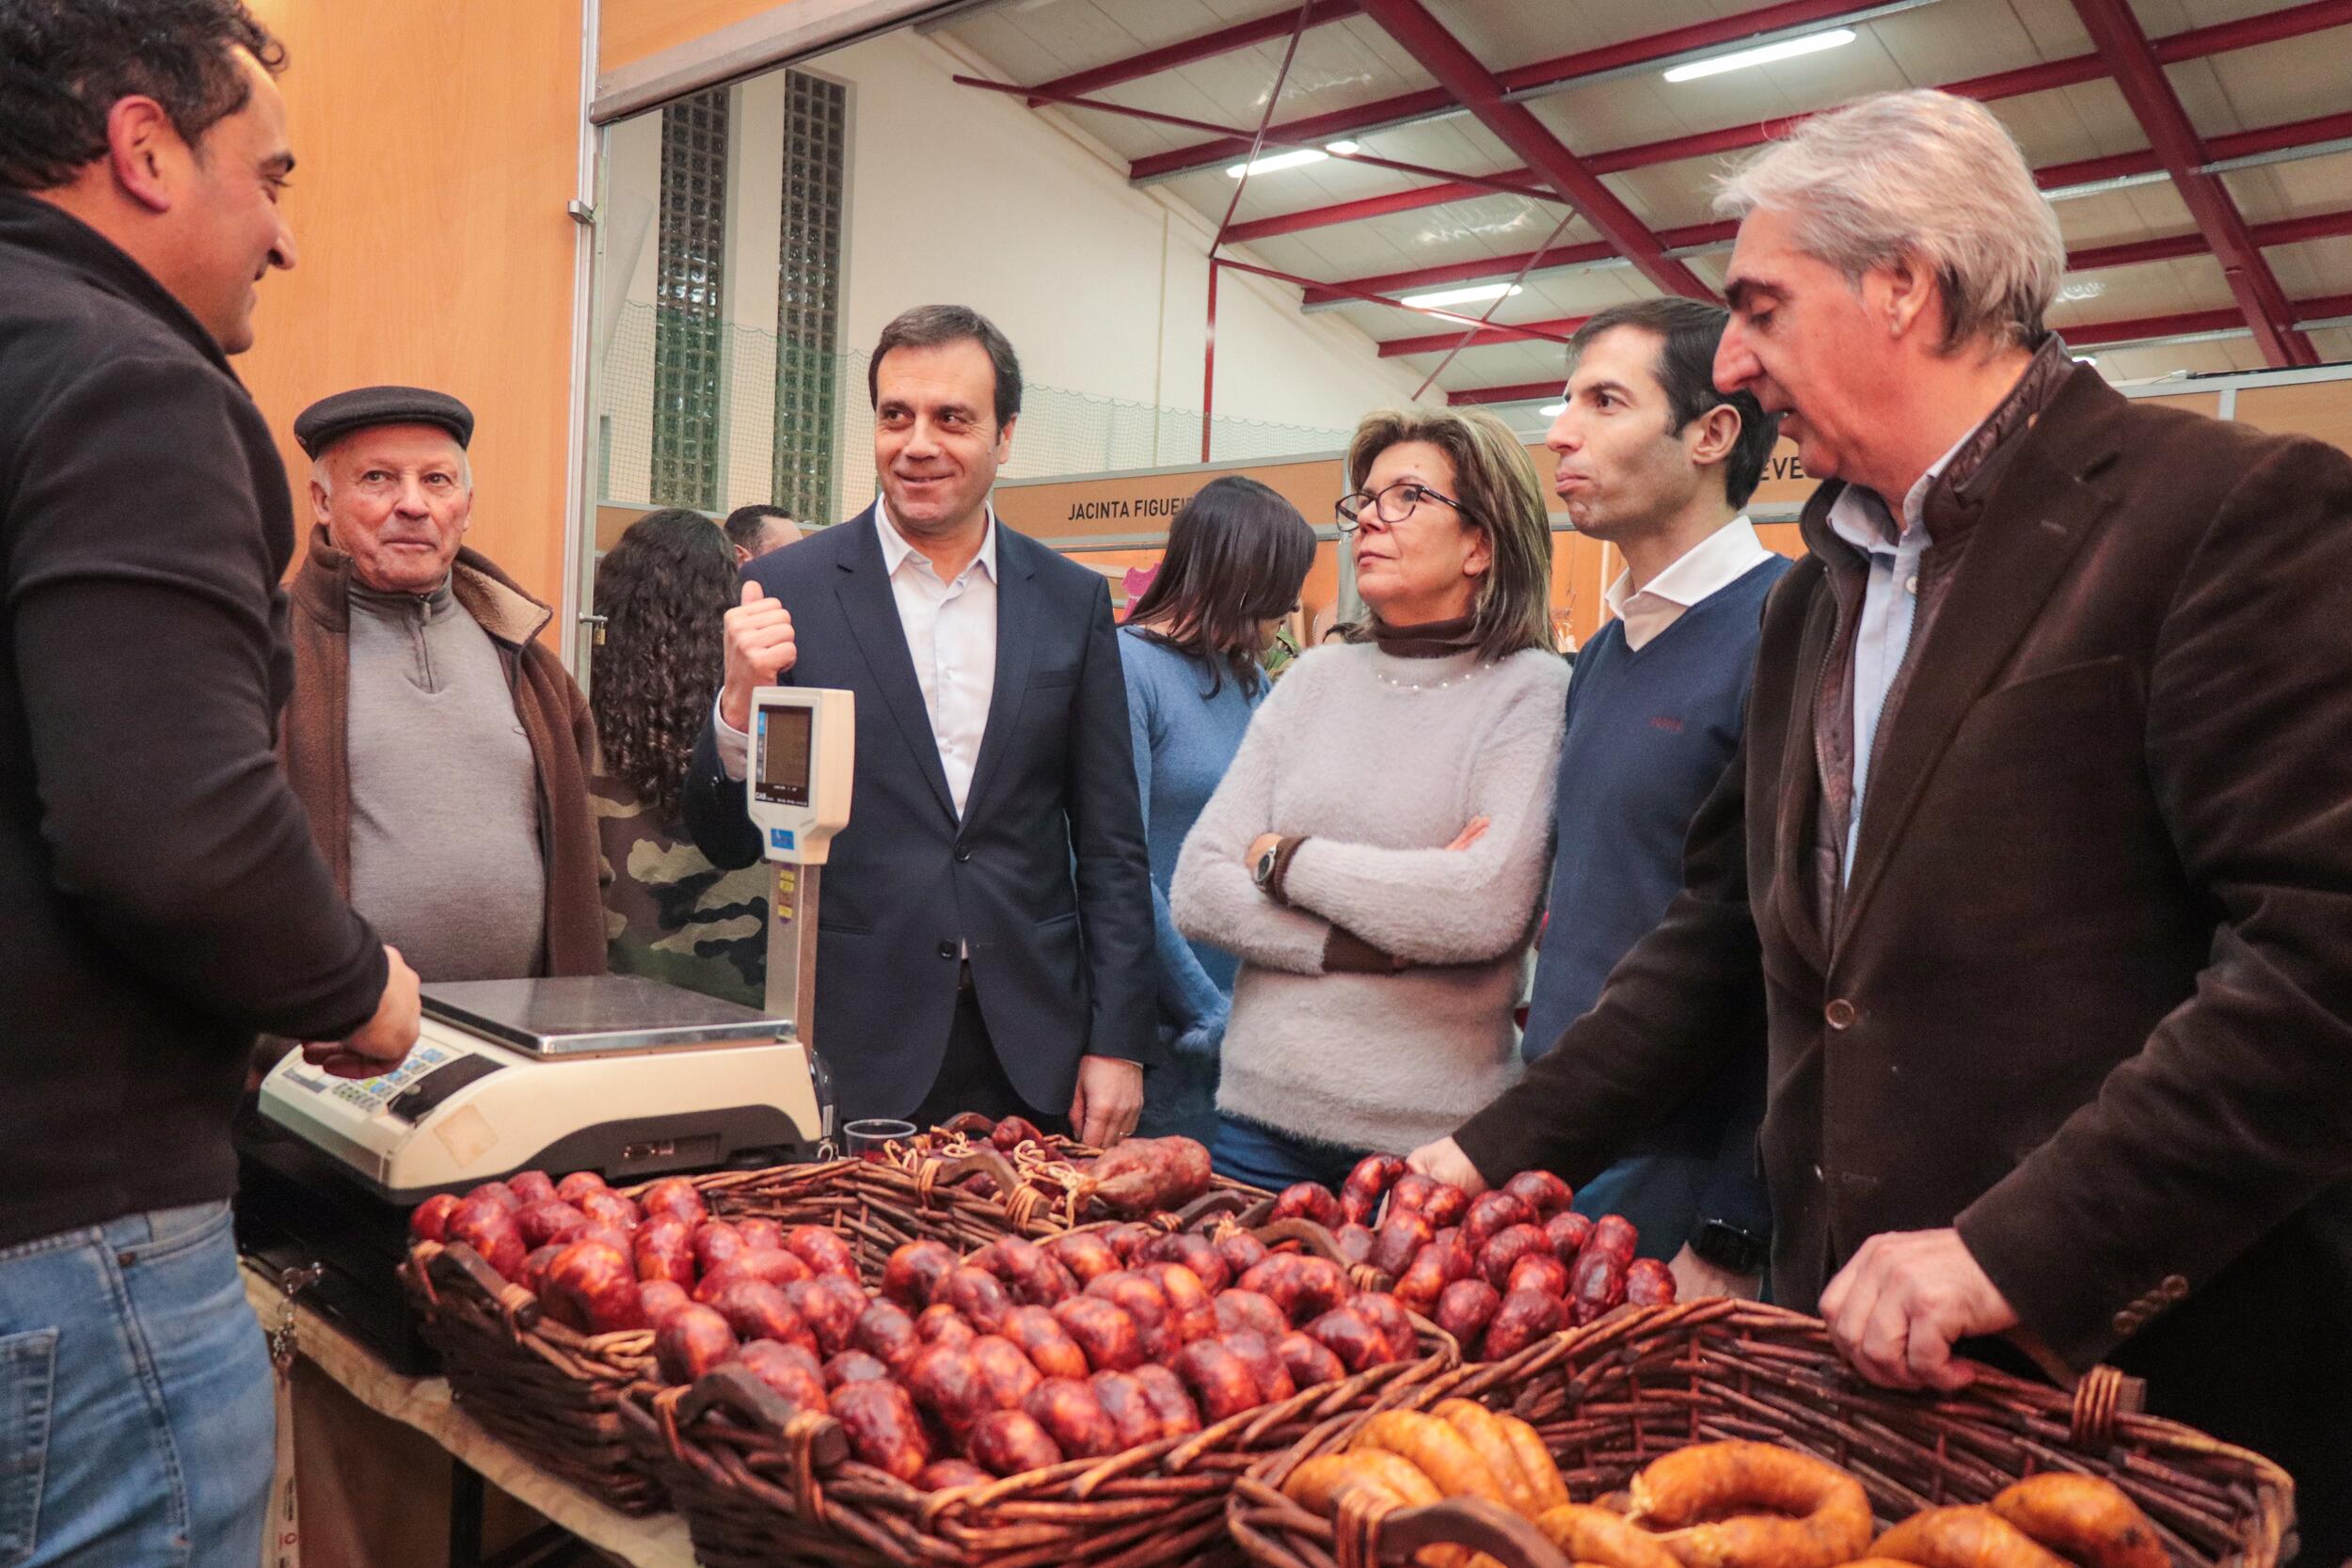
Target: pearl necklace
(1469, 674)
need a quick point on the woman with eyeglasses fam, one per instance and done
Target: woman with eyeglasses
(1376, 851)
(1192, 649)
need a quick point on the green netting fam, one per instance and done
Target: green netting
(1061, 432)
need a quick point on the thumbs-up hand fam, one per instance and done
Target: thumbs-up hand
(759, 648)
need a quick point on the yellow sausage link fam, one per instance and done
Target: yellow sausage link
(1962, 1538)
(2084, 1518)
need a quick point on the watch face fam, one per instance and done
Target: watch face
(1727, 1246)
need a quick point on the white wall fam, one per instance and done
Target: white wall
(956, 194)
(966, 195)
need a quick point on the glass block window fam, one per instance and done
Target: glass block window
(808, 294)
(688, 322)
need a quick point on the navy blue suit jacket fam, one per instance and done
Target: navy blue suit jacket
(1046, 878)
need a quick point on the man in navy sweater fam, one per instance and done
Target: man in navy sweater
(1656, 462)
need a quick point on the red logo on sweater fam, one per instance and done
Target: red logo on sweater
(1667, 723)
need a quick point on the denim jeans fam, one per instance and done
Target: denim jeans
(1269, 1158)
(137, 1414)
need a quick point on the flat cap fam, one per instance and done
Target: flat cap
(331, 418)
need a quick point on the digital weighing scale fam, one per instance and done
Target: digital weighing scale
(613, 1073)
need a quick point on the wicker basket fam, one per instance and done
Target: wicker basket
(546, 1390)
(1644, 1381)
(554, 1395)
(764, 1487)
(917, 1185)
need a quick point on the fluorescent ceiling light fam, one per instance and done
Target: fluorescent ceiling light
(1812, 43)
(1288, 160)
(1552, 411)
(1462, 296)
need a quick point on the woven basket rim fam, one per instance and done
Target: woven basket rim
(1997, 1405)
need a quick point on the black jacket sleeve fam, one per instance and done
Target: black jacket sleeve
(716, 815)
(143, 593)
(1676, 1006)
(1113, 862)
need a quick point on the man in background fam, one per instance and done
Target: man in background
(160, 895)
(442, 750)
(1653, 460)
(756, 530)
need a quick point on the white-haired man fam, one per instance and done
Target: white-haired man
(443, 751)
(2036, 862)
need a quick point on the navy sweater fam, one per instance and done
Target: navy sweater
(1648, 734)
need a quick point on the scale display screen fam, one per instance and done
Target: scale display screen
(784, 755)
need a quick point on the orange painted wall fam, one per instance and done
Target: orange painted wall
(437, 143)
(629, 30)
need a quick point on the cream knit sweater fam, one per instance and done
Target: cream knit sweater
(1380, 762)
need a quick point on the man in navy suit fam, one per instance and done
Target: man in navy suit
(986, 935)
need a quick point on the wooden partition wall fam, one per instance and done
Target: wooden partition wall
(436, 144)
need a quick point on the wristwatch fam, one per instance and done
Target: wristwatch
(1730, 1249)
(1263, 871)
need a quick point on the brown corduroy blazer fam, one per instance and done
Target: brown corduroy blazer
(2089, 992)
(553, 710)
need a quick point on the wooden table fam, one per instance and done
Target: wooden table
(424, 1404)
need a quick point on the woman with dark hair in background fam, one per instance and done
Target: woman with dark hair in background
(1237, 553)
(664, 593)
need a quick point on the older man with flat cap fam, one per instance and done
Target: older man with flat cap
(442, 751)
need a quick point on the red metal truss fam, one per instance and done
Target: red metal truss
(1526, 391)
(2090, 334)
(2096, 334)
(2129, 252)
(1241, 35)
(1527, 186)
(1458, 71)
(1505, 267)
(1526, 78)
(1535, 331)
(2117, 32)
(2196, 43)
(1494, 332)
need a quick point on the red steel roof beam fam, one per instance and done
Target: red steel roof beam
(1506, 267)
(1543, 73)
(2317, 225)
(1461, 73)
(1525, 392)
(1494, 332)
(1527, 186)
(2196, 43)
(2116, 31)
(1241, 35)
(2090, 335)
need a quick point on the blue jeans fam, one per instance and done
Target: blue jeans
(1269, 1158)
(137, 1422)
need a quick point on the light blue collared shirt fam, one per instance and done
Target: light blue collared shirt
(1890, 603)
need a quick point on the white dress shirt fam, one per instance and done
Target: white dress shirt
(1890, 603)
(950, 631)
(1715, 563)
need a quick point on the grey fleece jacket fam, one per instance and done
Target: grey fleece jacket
(1380, 762)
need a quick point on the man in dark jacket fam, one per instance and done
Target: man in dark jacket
(2036, 860)
(442, 751)
(986, 938)
(160, 895)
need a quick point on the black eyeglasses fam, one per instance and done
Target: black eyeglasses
(1394, 504)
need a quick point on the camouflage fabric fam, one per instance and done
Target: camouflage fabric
(669, 913)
